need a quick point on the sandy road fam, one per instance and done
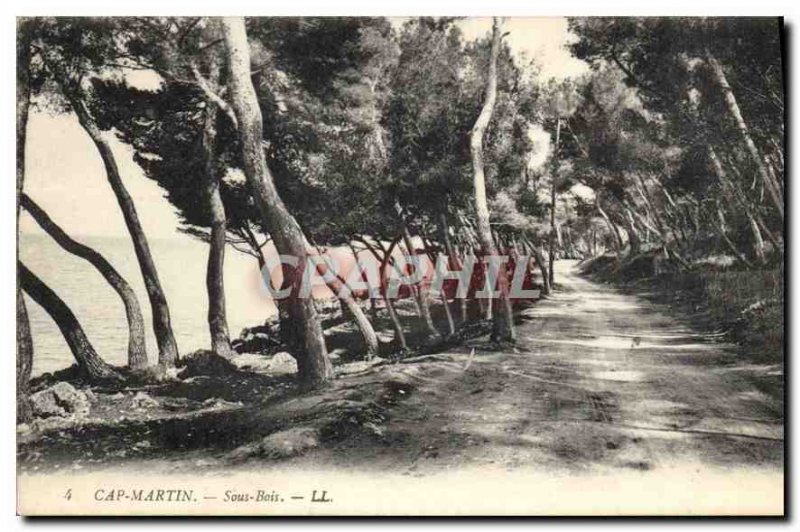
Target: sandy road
(610, 404)
(601, 381)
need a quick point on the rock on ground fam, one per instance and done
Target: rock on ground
(283, 362)
(204, 362)
(61, 399)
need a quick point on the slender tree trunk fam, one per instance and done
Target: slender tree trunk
(732, 193)
(137, 350)
(733, 108)
(451, 325)
(215, 278)
(554, 172)
(87, 358)
(417, 290)
(618, 244)
(776, 244)
(390, 308)
(502, 323)
(162, 327)
(543, 269)
(24, 359)
(420, 293)
(453, 263)
(354, 311)
(24, 340)
(343, 310)
(398, 327)
(314, 366)
(433, 257)
(724, 234)
(634, 240)
(758, 240)
(373, 308)
(463, 301)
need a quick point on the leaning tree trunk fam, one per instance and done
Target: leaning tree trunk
(733, 194)
(733, 108)
(314, 366)
(634, 239)
(419, 292)
(502, 322)
(617, 237)
(137, 351)
(215, 280)
(538, 257)
(354, 311)
(24, 340)
(167, 348)
(373, 309)
(88, 359)
(433, 257)
(361, 321)
(395, 319)
(723, 232)
(452, 259)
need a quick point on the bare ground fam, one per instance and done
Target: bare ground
(600, 381)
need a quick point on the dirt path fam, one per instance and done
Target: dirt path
(601, 381)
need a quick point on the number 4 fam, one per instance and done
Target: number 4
(68, 494)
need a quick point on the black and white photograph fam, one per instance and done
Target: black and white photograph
(400, 266)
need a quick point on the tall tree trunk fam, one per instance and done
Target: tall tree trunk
(314, 366)
(724, 234)
(776, 244)
(373, 307)
(553, 173)
(162, 327)
(354, 311)
(758, 240)
(733, 194)
(359, 318)
(543, 269)
(454, 263)
(618, 244)
(88, 359)
(419, 292)
(24, 340)
(634, 240)
(451, 325)
(502, 323)
(398, 327)
(24, 359)
(733, 108)
(463, 302)
(433, 257)
(215, 278)
(137, 350)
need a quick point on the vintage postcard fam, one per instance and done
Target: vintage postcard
(375, 266)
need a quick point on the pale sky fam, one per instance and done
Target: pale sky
(542, 39)
(65, 175)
